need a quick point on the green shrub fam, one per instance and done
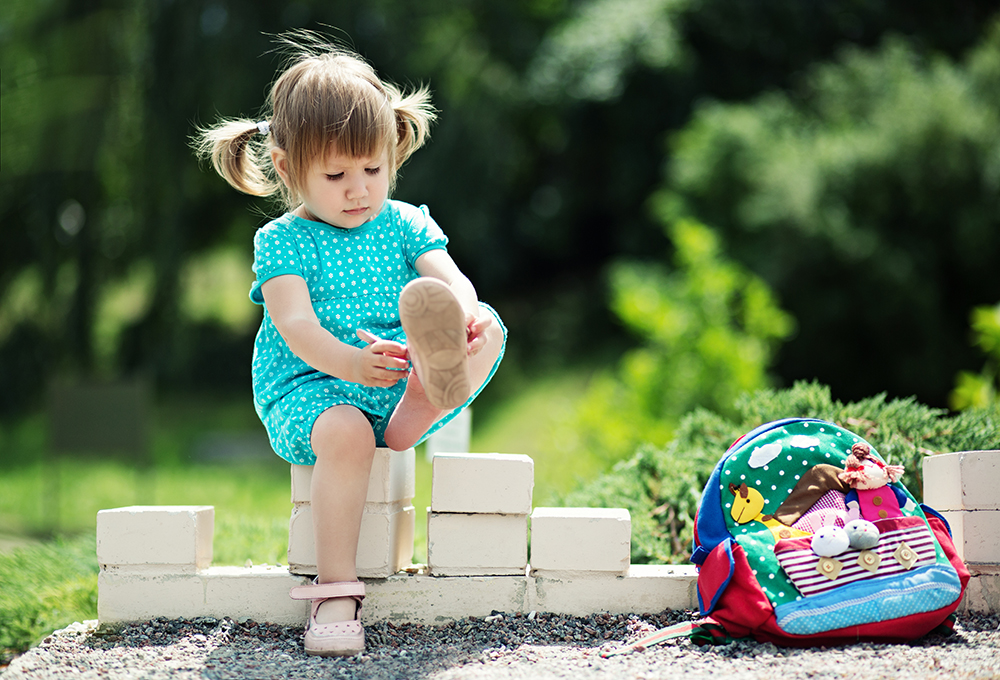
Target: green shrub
(661, 486)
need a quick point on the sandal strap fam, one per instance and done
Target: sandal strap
(323, 591)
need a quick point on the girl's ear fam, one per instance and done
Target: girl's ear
(280, 161)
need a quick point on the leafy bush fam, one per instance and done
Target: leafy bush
(661, 487)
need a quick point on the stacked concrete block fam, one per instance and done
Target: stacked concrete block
(572, 540)
(477, 524)
(386, 542)
(156, 561)
(175, 538)
(963, 488)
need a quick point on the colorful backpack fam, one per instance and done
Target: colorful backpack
(791, 553)
(787, 554)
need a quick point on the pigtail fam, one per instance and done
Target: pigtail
(414, 115)
(239, 154)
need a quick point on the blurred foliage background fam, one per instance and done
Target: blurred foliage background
(692, 215)
(844, 152)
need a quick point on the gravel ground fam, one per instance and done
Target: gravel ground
(500, 646)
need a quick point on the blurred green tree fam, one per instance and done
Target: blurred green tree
(979, 390)
(547, 149)
(708, 331)
(869, 199)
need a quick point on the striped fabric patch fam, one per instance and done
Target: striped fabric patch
(800, 563)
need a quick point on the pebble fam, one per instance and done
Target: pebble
(538, 646)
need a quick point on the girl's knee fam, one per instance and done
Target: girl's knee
(343, 430)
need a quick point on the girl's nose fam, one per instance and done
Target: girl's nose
(357, 188)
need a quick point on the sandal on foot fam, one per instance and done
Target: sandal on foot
(341, 638)
(436, 336)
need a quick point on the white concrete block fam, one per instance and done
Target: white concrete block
(982, 595)
(438, 600)
(976, 534)
(393, 478)
(178, 537)
(490, 483)
(643, 589)
(476, 544)
(261, 594)
(581, 539)
(385, 545)
(258, 593)
(966, 480)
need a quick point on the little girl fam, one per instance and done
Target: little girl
(371, 335)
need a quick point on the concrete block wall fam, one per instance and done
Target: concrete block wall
(155, 561)
(135, 584)
(477, 524)
(962, 487)
(386, 542)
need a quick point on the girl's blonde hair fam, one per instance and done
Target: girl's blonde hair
(326, 98)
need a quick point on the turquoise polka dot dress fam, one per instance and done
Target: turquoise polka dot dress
(354, 278)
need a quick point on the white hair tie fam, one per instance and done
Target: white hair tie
(263, 127)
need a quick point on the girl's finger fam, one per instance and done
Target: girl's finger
(388, 348)
(392, 363)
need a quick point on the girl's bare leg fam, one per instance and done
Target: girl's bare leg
(344, 444)
(414, 414)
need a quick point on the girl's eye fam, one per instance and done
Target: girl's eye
(335, 177)
(373, 171)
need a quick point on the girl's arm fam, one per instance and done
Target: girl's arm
(290, 307)
(438, 264)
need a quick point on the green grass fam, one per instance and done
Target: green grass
(43, 588)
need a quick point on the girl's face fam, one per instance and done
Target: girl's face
(341, 190)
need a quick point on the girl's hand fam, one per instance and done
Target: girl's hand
(475, 326)
(382, 363)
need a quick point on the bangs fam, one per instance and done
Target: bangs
(368, 129)
(337, 111)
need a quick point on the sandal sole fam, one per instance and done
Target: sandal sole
(434, 323)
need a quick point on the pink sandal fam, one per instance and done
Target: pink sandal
(342, 638)
(436, 336)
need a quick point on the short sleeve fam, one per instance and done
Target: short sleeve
(420, 232)
(275, 253)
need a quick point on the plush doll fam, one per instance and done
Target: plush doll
(862, 534)
(829, 541)
(871, 497)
